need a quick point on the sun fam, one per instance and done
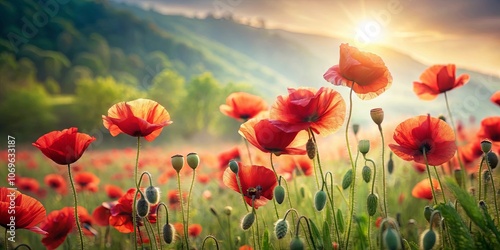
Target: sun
(369, 32)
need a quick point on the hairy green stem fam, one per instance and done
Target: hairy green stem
(182, 211)
(462, 167)
(434, 198)
(353, 167)
(134, 219)
(80, 234)
(384, 186)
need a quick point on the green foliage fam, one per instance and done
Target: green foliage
(459, 234)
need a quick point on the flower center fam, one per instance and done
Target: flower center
(425, 147)
(254, 192)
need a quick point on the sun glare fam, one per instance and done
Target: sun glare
(369, 32)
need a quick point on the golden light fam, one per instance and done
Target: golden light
(369, 32)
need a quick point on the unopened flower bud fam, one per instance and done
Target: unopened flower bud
(367, 174)
(364, 146)
(177, 162)
(355, 128)
(302, 191)
(347, 180)
(429, 239)
(228, 210)
(311, 148)
(296, 243)
(486, 146)
(279, 194)
(371, 204)
(483, 206)
(320, 200)
(213, 211)
(142, 207)
(233, 165)
(390, 164)
(377, 115)
(247, 221)
(168, 233)
(492, 159)
(442, 118)
(193, 160)
(152, 195)
(427, 213)
(280, 228)
(391, 239)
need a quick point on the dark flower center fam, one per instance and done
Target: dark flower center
(244, 116)
(254, 192)
(425, 147)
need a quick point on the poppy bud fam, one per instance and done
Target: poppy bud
(142, 207)
(152, 195)
(483, 206)
(212, 210)
(442, 118)
(355, 128)
(168, 233)
(364, 146)
(296, 244)
(177, 162)
(429, 239)
(302, 191)
(233, 165)
(279, 194)
(390, 164)
(320, 200)
(458, 176)
(280, 228)
(367, 174)
(228, 210)
(371, 204)
(377, 115)
(427, 213)
(311, 149)
(492, 159)
(193, 160)
(347, 180)
(247, 221)
(486, 146)
(391, 239)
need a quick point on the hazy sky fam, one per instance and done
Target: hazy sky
(464, 32)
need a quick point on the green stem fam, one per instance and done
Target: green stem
(317, 155)
(308, 229)
(480, 177)
(272, 166)
(229, 231)
(384, 186)
(241, 191)
(76, 207)
(430, 178)
(353, 166)
(134, 219)
(148, 230)
(374, 173)
(462, 168)
(210, 237)
(257, 222)
(494, 189)
(182, 211)
(189, 196)
(440, 184)
(369, 232)
(332, 203)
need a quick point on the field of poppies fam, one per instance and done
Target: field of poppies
(425, 183)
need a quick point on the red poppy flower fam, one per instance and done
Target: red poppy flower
(423, 190)
(243, 106)
(102, 213)
(298, 165)
(29, 212)
(27, 184)
(438, 79)
(139, 118)
(495, 98)
(323, 111)
(420, 133)
(256, 181)
(267, 136)
(86, 181)
(490, 129)
(179, 228)
(173, 199)
(364, 72)
(121, 213)
(419, 167)
(226, 156)
(113, 192)
(194, 230)
(56, 182)
(245, 247)
(64, 147)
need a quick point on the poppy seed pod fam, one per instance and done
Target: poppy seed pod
(371, 204)
(233, 165)
(311, 149)
(486, 146)
(367, 174)
(142, 207)
(429, 239)
(193, 160)
(355, 128)
(280, 228)
(492, 159)
(364, 146)
(347, 180)
(377, 115)
(320, 200)
(391, 239)
(427, 213)
(296, 244)
(247, 221)
(279, 194)
(152, 195)
(228, 210)
(168, 233)
(177, 162)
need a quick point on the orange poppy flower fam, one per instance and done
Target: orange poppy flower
(420, 133)
(29, 212)
(139, 118)
(194, 230)
(256, 181)
(423, 190)
(226, 156)
(364, 72)
(179, 228)
(245, 247)
(300, 164)
(27, 184)
(438, 79)
(113, 192)
(243, 106)
(64, 147)
(86, 181)
(490, 129)
(323, 111)
(121, 213)
(268, 136)
(60, 223)
(56, 182)
(495, 98)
